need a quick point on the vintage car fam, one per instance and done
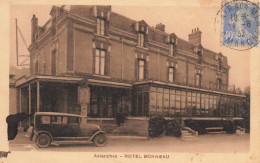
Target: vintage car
(59, 128)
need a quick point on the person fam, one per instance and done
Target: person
(120, 117)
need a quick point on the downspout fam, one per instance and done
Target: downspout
(122, 49)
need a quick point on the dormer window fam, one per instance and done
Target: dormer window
(141, 29)
(172, 42)
(100, 26)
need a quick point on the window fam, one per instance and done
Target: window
(171, 74)
(45, 120)
(171, 49)
(218, 83)
(56, 120)
(141, 64)
(100, 26)
(198, 80)
(219, 63)
(100, 62)
(141, 39)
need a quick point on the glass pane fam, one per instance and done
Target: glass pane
(166, 102)
(152, 102)
(170, 77)
(199, 101)
(102, 66)
(178, 104)
(96, 65)
(45, 119)
(142, 40)
(102, 27)
(55, 120)
(64, 120)
(140, 103)
(97, 52)
(139, 39)
(98, 26)
(141, 73)
(159, 102)
(102, 53)
(183, 103)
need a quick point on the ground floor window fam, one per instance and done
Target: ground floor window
(176, 102)
(106, 102)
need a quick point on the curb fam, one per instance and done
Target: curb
(127, 137)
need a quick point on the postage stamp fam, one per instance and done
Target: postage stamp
(240, 22)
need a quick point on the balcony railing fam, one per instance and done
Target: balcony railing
(191, 82)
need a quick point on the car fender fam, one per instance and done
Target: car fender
(98, 132)
(43, 132)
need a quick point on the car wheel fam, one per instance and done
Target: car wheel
(100, 140)
(43, 140)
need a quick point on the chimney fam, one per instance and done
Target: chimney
(195, 36)
(160, 27)
(34, 28)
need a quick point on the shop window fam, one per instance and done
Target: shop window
(100, 62)
(101, 26)
(141, 69)
(141, 39)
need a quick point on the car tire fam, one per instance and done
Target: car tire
(100, 140)
(43, 140)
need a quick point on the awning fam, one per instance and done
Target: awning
(108, 83)
(62, 79)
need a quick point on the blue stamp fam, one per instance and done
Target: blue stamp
(240, 22)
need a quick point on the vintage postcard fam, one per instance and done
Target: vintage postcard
(144, 81)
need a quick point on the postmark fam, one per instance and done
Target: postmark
(240, 24)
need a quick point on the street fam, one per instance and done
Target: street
(208, 143)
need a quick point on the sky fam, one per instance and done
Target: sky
(178, 20)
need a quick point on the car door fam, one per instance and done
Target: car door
(73, 127)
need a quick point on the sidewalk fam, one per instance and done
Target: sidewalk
(21, 139)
